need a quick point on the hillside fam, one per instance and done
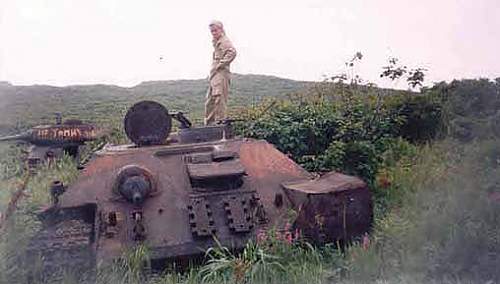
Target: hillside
(24, 106)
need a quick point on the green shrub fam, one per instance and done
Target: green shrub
(471, 108)
(422, 114)
(347, 132)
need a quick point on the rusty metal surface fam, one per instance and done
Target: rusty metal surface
(56, 134)
(66, 242)
(239, 216)
(204, 171)
(329, 182)
(200, 217)
(261, 160)
(166, 213)
(53, 134)
(334, 207)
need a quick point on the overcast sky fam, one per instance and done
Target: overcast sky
(124, 42)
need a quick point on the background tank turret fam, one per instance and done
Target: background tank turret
(52, 141)
(179, 192)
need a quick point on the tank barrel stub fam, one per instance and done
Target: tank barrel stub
(135, 184)
(135, 189)
(19, 137)
(59, 134)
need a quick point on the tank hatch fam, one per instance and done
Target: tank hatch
(205, 134)
(147, 123)
(217, 170)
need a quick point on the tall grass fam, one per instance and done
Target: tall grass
(23, 224)
(131, 268)
(273, 261)
(446, 226)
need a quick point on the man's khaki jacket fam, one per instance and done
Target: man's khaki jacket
(224, 54)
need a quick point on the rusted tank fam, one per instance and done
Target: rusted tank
(48, 142)
(179, 192)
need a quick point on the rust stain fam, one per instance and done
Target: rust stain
(259, 157)
(101, 164)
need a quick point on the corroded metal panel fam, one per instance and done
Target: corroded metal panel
(334, 207)
(238, 212)
(201, 218)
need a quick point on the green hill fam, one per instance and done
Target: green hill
(25, 106)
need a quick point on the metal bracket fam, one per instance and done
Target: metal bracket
(139, 230)
(238, 213)
(200, 217)
(259, 213)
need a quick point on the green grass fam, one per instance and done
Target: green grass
(257, 263)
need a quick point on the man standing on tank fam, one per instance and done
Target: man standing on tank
(219, 78)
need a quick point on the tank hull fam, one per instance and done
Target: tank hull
(202, 194)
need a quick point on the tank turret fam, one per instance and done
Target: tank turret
(52, 141)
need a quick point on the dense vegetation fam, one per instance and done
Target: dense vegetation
(432, 159)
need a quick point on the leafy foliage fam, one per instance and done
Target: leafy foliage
(343, 130)
(471, 107)
(394, 71)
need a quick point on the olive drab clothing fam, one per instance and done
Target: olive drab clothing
(218, 90)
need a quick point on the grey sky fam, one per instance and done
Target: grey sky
(121, 42)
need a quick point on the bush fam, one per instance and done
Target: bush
(471, 108)
(347, 131)
(423, 115)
